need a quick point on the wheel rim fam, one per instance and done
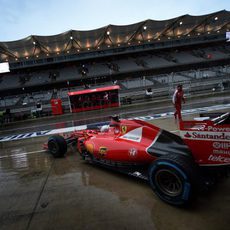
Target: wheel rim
(168, 182)
(53, 147)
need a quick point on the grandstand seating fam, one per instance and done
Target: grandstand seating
(139, 62)
(161, 70)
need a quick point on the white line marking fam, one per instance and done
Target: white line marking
(22, 154)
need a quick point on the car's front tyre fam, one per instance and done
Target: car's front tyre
(57, 146)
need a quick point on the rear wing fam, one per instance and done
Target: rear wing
(209, 140)
(206, 120)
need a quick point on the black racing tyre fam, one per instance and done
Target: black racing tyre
(57, 146)
(173, 178)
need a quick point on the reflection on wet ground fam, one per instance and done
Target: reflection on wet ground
(40, 192)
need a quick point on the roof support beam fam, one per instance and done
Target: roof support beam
(38, 45)
(71, 42)
(172, 26)
(138, 31)
(105, 36)
(5, 51)
(224, 25)
(202, 22)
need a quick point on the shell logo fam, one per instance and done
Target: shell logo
(103, 151)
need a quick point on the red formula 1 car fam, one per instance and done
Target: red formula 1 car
(172, 165)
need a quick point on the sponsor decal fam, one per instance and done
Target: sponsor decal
(133, 135)
(198, 127)
(221, 151)
(210, 136)
(187, 135)
(103, 151)
(218, 129)
(221, 145)
(221, 148)
(219, 158)
(133, 152)
(123, 129)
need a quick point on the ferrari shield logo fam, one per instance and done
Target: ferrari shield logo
(123, 129)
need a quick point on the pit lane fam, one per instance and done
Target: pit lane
(40, 192)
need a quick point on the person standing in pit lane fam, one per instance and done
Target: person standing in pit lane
(177, 99)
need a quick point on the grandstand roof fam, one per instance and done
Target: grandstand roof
(110, 36)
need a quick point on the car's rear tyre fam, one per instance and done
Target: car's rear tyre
(57, 146)
(172, 177)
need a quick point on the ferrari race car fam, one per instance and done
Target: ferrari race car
(174, 166)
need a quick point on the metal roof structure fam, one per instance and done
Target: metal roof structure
(112, 36)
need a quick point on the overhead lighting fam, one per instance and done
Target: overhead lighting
(208, 32)
(218, 31)
(27, 57)
(188, 35)
(6, 60)
(158, 39)
(169, 38)
(108, 46)
(34, 42)
(37, 56)
(216, 18)
(88, 49)
(108, 33)
(71, 37)
(118, 44)
(78, 50)
(47, 55)
(145, 27)
(98, 47)
(139, 42)
(181, 23)
(178, 36)
(58, 53)
(198, 34)
(149, 40)
(67, 51)
(16, 59)
(129, 43)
